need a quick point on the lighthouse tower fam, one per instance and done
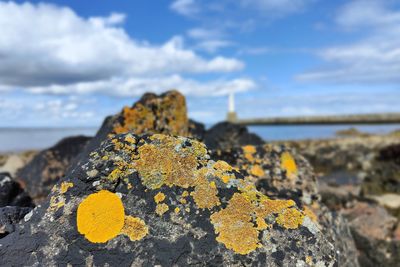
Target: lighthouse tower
(231, 116)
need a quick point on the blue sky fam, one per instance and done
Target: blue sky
(71, 63)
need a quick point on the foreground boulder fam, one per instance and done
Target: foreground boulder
(48, 166)
(160, 200)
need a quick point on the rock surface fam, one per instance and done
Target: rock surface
(48, 166)
(160, 200)
(11, 193)
(9, 217)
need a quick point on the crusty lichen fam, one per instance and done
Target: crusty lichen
(288, 164)
(65, 186)
(290, 218)
(135, 228)
(234, 227)
(159, 197)
(257, 171)
(161, 209)
(205, 195)
(100, 216)
(144, 116)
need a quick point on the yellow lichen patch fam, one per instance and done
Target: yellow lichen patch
(290, 218)
(309, 260)
(248, 152)
(261, 224)
(161, 209)
(177, 210)
(221, 170)
(257, 171)
(161, 164)
(139, 118)
(100, 216)
(115, 174)
(270, 206)
(205, 196)
(65, 186)
(56, 202)
(159, 197)
(288, 164)
(185, 193)
(234, 227)
(135, 228)
(308, 212)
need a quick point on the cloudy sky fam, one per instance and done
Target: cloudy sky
(70, 63)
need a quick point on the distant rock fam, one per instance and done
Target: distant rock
(351, 132)
(48, 166)
(11, 193)
(373, 230)
(165, 113)
(197, 130)
(12, 162)
(159, 200)
(226, 135)
(384, 174)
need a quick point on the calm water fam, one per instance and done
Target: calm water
(33, 138)
(284, 132)
(24, 139)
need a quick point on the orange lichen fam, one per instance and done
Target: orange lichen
(222, 170)
(134, 228)
(161, 209)
(100, 216)
(65, 186)
(290, 218)
(234, 227)
(288, 164)
(261, 224)
(205, 196)
(270, 206)
(162, 164)
(143, 116)
(248, 152)
(159, 197)
(257, 171)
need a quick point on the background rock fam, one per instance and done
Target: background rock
(225, 136)
(48, 166)
(11, 193)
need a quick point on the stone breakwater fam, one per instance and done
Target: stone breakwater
(155, 188)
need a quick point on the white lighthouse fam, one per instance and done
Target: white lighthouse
(231, 116)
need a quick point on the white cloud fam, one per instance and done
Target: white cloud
(373, 59)
(138, 86)
(185, 7)
(49, 48)
(209, 40)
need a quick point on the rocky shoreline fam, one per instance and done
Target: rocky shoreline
(155, 188)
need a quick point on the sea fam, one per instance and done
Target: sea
(21, 139)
